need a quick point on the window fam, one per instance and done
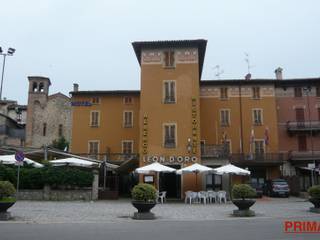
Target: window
(318, 91)
(256, 92)
(298, 92)
(44, 129)
(19, 117)
(60, 130)
(94, 119)
(300, 116)
(128, 119)
(259, 147)
(169, 135)
(224, 93)
(169, 58)
(169, 91)
(127, 100)
(127, 147)
(95, 100)
(257, 116)
(225, 117)
(93, 150)
(302, 143)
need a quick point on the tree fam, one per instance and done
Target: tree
(60, 144)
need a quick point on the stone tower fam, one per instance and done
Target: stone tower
(37, 95)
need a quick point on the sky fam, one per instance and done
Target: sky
(89, 42)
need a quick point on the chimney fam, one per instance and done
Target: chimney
(75, 87)
(278, 73)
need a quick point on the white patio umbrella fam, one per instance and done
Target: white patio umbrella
(11, 160)
(195, 168)
(154, 168)
(231, 169)
(73, 162)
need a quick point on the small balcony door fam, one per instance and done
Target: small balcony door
(302, 143)
(300, 117)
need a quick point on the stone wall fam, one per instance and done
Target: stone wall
(48, 194)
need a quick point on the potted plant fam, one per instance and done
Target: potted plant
(314, 193)
(242, 195)
(143, 199)
(7, 198)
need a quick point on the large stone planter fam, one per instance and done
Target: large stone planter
(316, 203)
(243, 207)
(4, 206)
(143, 210)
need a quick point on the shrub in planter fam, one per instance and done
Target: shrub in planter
(241, 197)
(314, 193)
(144, 199)
(7, 192)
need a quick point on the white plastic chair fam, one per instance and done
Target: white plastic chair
(162, 196)
(222, 196)
(189, 197)
(212, 196)
(202, 196)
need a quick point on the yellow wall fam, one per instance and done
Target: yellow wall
(111, 132)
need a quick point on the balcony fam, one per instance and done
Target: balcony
(303, 126)
(213, 151)
(304, 155)
(256, 159)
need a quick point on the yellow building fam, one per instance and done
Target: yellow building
(177, 120)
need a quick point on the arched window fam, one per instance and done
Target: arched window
(34, 87)
(41, 87)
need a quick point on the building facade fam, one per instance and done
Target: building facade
(177, 119)
(48, 116)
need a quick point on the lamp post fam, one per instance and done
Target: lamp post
(307, 90)
(9, 52)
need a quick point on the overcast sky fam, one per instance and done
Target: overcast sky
(89, 41)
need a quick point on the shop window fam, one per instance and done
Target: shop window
(169, 135)
(169, 91)
(95, 100)
(257, 116)
(95, 119)
(298, 92)
(223, 93)
(93, 150)
(128, 119)
(169, 60)
(224, 117)
(256, 92)
(127, 147)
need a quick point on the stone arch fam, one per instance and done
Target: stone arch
(41, 87)
(34, 87)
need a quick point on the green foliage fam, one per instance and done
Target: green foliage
(6, 189)
(61, 143)
(56, 177)
(243, 191)
(314, 191)
(8, 199)
(144, 192)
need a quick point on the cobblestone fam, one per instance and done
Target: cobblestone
(122, 210)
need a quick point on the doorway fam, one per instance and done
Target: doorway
(171, 183)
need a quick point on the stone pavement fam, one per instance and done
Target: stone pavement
(44, 212)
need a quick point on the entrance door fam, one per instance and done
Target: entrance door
(171, 183)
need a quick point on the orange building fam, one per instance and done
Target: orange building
(177, 120)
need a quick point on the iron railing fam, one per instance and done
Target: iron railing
(304, 155)
(214, 151)
(258, 158)
(299, 126)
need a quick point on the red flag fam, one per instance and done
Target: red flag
(266, 136)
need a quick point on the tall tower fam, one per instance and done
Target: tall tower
(169, 103)
(37, 97)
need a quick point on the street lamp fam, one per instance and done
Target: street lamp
(307, 90)
(9, 52)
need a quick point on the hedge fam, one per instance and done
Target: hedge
(56, 177)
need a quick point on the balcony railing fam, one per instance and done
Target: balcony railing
(301, 126)
(304, 155)
(258, 158)
(213, 151)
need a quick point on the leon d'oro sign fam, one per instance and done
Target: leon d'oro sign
(170, 159)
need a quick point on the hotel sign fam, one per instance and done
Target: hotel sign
(170, 159)
(194, 125)
(145, 135)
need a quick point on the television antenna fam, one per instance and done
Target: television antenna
(218, 71)
(247, 59)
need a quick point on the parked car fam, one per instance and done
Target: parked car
(258, 187)
(277, 187)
